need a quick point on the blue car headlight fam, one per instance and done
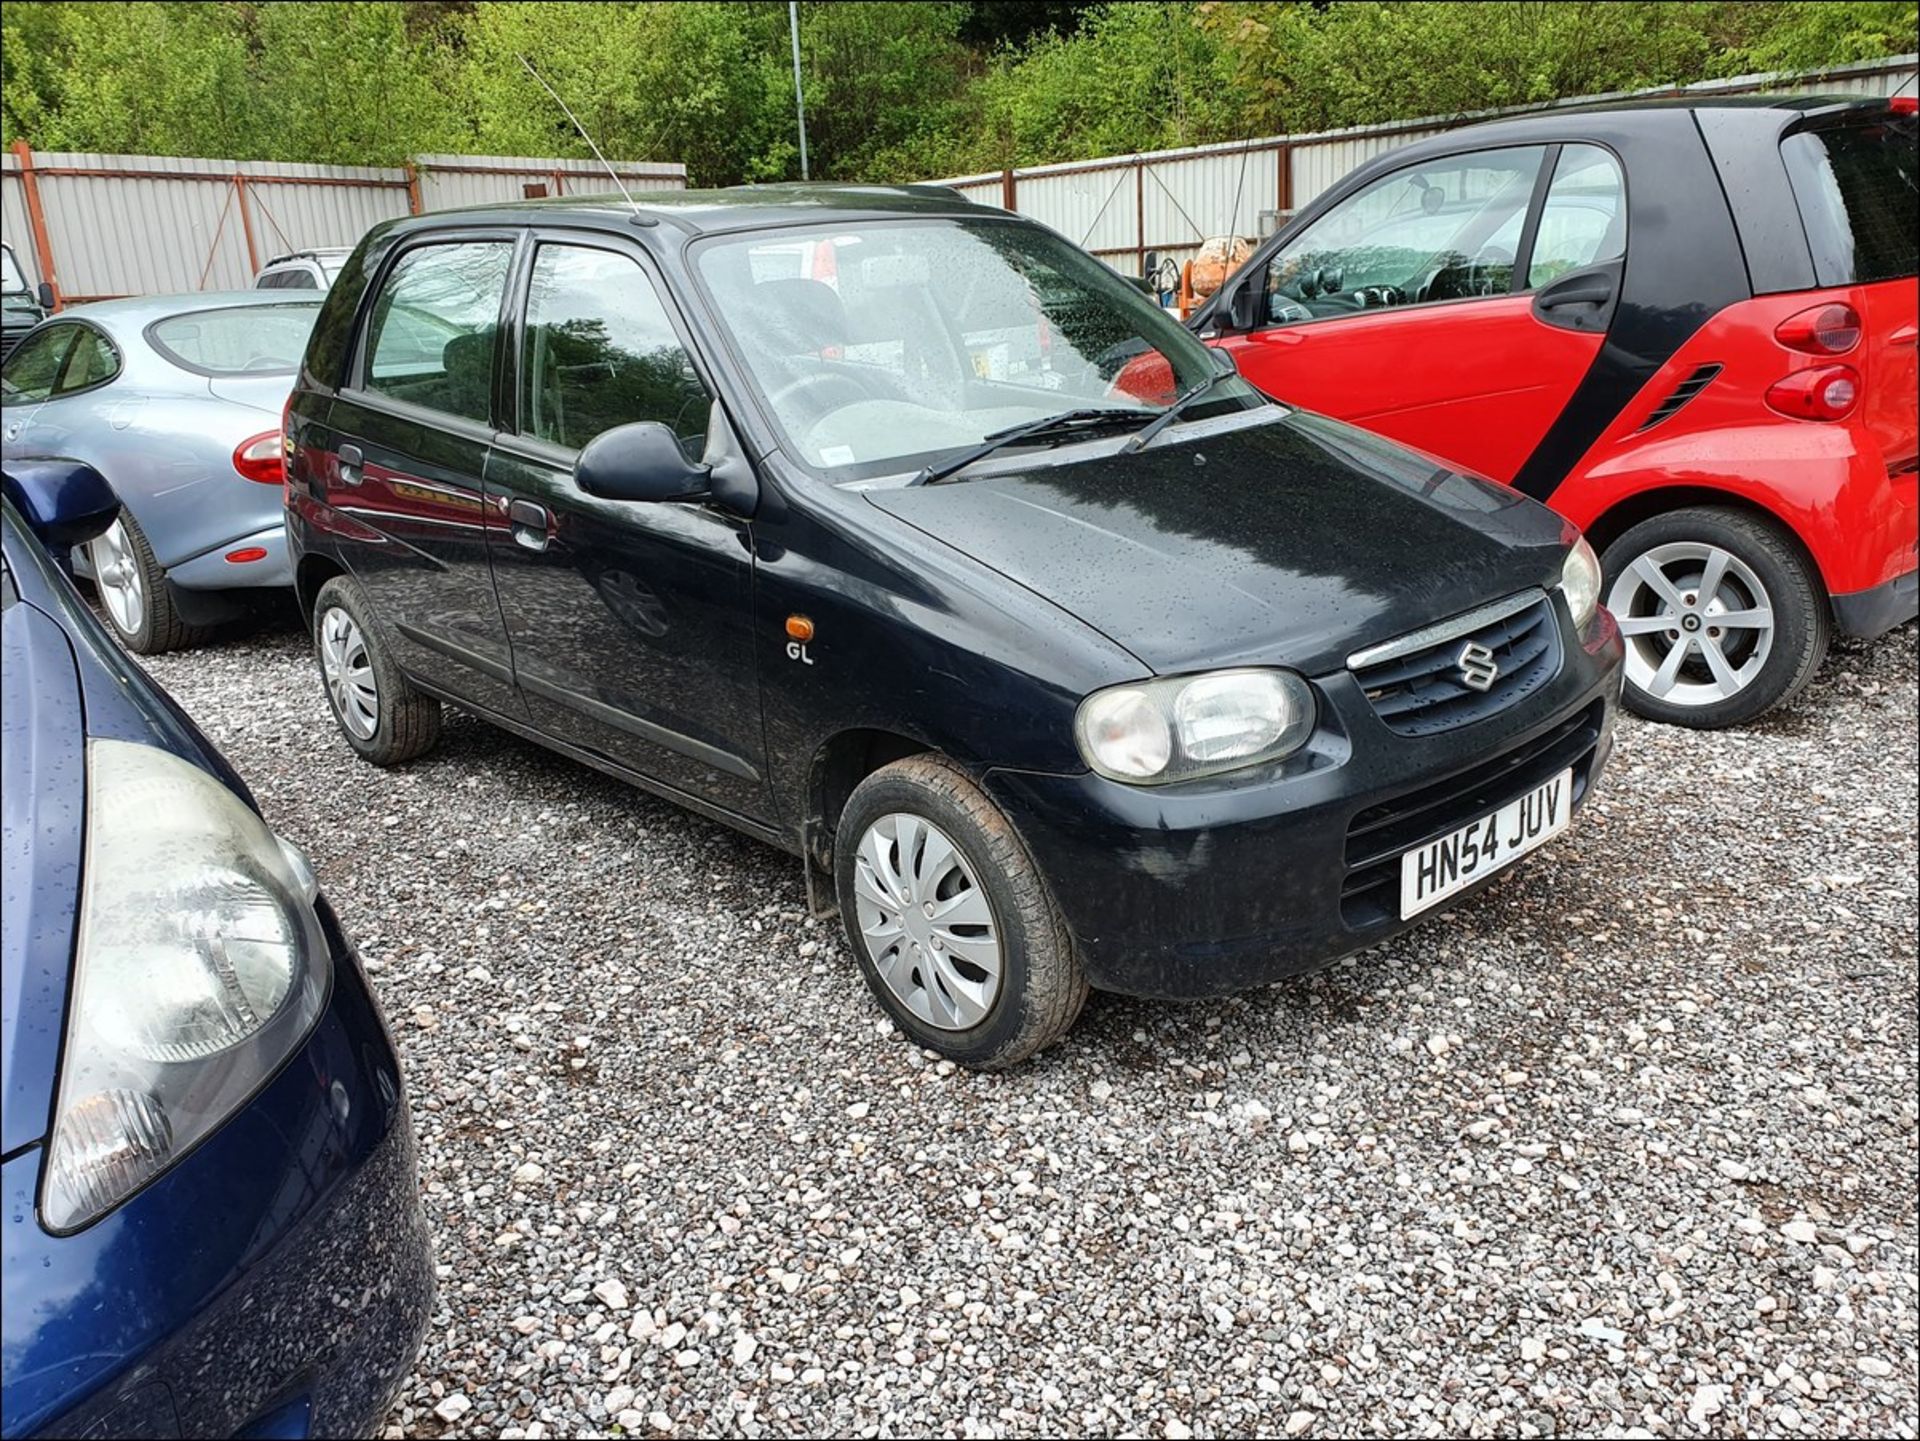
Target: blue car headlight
(200, 966)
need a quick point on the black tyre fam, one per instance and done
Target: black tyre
(378, 710)
(950, 920)
(133, 591)
(1723, 616)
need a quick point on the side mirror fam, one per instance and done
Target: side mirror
(1243, 304)
(1223, 361)
(641, 461)
(64, 502)
(44, 292)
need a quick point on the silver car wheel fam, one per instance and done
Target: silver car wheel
(1697, 621)
(926, 922)
(348, 670)
(116, 572)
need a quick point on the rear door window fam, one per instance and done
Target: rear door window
(1859, 197)
(431, 339)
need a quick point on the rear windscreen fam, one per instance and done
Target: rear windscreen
(244, 340)
(1858, 187)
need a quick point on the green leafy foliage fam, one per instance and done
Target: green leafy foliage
(895, 91)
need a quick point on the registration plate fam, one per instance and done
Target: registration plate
(1449, 865)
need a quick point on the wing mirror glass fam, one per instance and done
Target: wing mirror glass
(641, 461)
(44, 291)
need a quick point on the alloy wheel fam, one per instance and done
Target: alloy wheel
(1698, 623)
(926, 922)
(116, 572)
(348, 670)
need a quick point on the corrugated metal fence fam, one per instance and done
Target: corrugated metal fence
(107, 225)
(1122, 206)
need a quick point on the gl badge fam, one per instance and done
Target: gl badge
(1478, 668)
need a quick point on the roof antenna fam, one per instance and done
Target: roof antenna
(640, 217)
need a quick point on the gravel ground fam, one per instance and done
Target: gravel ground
(1627, 1144)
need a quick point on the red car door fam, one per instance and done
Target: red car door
(1453, 305)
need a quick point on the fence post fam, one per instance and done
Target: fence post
(1283, 179)
(37, 218)
(413, 189)
(1140, 217)
(246, 222)
(1008, 195)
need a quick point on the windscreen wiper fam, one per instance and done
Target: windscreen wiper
(1067, 422)
(1172, 413)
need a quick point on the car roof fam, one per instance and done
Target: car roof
(740, 207)
(138, 310)
(1774, 112)
(317, 252)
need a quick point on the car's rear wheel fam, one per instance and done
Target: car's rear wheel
(1722, 617)
(133, 591)
(378, 709)
(949, 918)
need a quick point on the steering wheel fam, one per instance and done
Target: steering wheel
(818, 380)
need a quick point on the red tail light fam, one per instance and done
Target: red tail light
(260, 457)
(1826, 392)
(1823, 330)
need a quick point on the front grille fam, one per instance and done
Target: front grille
(1378, 836)
(1685, 391)
(8, 340)
(1419, 685)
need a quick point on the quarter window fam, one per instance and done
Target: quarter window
(31, 370)
(430, 341)
(600, 352)
(1445, 230)
(1584, 221)
(92, 361)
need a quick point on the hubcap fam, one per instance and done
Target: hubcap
(348, 670)
(1698, 624)
(926, 922)
(116, 571)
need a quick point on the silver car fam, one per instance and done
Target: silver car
(176, 400)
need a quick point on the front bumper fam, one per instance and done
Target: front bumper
(1211, 887)
(1874, 612)
(275, 1282)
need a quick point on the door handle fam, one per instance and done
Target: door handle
(350, 465)
(1906, 335)
(528, 520)
(1592, 292)
(13, 431)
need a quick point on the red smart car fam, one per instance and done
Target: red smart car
(1689, 327)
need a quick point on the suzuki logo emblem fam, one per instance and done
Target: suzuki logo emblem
(1478, 668)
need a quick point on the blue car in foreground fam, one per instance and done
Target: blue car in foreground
(213, 1224)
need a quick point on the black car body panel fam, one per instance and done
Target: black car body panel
(971, 617)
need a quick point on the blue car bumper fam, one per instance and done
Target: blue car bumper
(276, 1282)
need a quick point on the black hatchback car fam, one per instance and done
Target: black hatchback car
(903, 534)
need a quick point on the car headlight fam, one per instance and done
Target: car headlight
(1580, 579)
(200, 966)
(1158, 731)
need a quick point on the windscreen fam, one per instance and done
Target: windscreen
(1858, 187)
(244, 340)
(882, 341)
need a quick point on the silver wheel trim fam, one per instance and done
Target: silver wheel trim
(926, 922)
(116, 573)
(349, 674)
(1697, 621)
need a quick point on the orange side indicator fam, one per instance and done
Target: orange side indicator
(799, 628)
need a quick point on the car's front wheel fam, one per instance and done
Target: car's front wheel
(133, 591)
(949, 918)
(1722, 617)
(382, 715)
